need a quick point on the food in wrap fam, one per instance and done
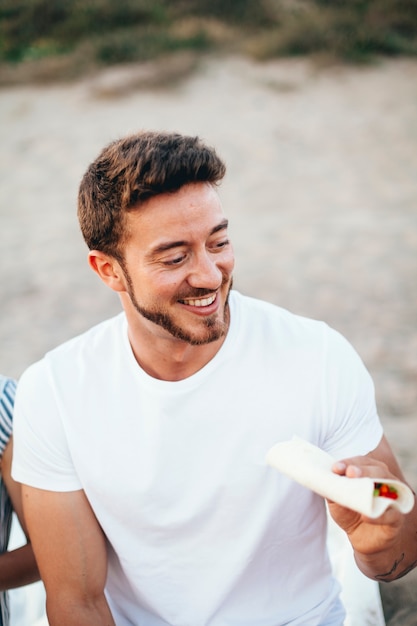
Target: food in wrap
(312, 467)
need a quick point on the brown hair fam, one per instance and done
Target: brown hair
(132, 170)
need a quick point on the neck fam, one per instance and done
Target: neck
(171, 359)
(162, 355)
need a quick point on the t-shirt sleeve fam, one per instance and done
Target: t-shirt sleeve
(7, 396)
(353, 424)
(41, 457)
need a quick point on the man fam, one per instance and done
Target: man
(17, 567)
(141, 444)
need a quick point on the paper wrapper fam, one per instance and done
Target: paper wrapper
(311, 467)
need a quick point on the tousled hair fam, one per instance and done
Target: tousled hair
(132, 170)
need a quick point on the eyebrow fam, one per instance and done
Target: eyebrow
(169, 245)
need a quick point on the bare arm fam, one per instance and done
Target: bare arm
(17, 567)
(385, 548)
(70, 549)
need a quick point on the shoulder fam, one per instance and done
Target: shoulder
(7, 396)
(79, 355)
(7, 389)
(93, 339)
(265, 317)
(72, 362)
(274, 329)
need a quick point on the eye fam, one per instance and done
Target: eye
(219, 245)
(175, 261)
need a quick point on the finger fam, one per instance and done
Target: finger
(347, 469)
(339, 468)
(353, 471)
(364, 466)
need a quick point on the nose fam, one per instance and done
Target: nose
(205, 272)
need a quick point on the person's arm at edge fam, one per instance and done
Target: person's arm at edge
(71, 552)
(385, 548)
(17, 567)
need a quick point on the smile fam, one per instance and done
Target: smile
(200, 302)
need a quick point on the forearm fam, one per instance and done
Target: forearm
(71, 551)
(18, 568)
(397, 558)
(385, 548)
(71, 611)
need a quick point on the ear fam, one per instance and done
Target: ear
(108, 269)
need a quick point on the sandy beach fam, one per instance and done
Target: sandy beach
(321, 193)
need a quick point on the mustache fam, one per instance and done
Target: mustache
(194, 293)
(200, 292)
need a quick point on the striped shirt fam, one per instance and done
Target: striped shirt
(7, 393)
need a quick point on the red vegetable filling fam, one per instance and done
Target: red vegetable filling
(385, 491)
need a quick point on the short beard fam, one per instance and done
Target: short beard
(216, 328)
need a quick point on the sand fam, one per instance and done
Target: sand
(321, 193)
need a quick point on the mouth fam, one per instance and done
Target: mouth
(199, 302)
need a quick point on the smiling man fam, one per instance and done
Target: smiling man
(174, 277)
(141, 443)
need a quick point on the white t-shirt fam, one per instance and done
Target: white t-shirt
(201, 532)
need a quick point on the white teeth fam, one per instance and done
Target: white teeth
(202, 302)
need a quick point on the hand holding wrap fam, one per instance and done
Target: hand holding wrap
(312, 467)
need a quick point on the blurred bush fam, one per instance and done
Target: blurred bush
(35, 27)
(103, 32)
(353, 30)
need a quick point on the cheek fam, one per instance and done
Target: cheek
(169, 286)
(229, 261)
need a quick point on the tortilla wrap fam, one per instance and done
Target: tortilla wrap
(312, 467)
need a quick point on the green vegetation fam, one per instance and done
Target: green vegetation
(81, 35)
(349, 30)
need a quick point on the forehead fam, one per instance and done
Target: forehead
(193, 210)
